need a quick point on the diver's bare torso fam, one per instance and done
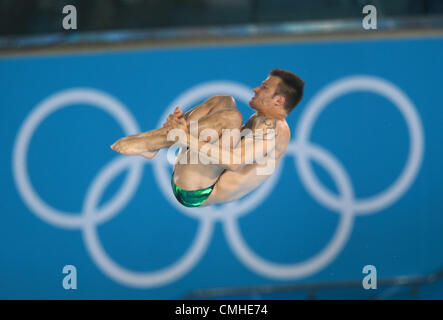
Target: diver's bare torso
(231, 185)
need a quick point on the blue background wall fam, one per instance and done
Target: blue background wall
(364, 131)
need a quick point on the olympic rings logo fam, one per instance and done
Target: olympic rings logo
(300, 148)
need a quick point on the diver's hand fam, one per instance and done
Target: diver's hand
(176, 115)
(180, 124)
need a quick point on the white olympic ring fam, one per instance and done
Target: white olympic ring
(406, 108)
(43, 110)
(300, 148)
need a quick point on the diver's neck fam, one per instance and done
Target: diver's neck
(274, 115)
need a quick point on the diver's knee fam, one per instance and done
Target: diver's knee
(229, 101)
(223, 100)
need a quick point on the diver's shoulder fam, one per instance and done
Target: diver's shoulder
(281, 124)
(283, 129)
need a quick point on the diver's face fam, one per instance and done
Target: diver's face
(265, 94)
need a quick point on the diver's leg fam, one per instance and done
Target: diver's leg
(217, 113)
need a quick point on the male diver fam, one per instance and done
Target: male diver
(207, 180)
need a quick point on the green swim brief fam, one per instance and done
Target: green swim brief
(191, 198)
